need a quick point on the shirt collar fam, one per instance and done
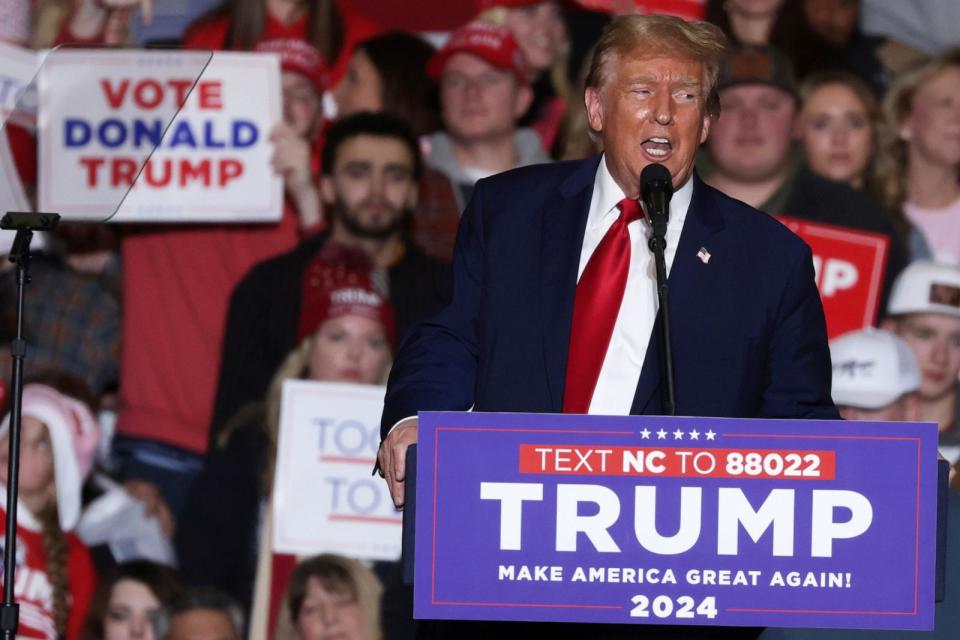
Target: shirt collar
(607, 193)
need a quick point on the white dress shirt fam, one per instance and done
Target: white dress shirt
(620, 372)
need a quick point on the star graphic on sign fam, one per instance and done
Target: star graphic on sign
(645, 434)
(710, 434)
(662, 435)
(694, 435)
(678, 435)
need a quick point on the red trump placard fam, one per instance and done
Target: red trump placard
(849, 265)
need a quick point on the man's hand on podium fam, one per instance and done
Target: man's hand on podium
(393, 457)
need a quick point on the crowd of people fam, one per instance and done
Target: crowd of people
(158, 353)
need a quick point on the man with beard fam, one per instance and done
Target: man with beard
(371, 171)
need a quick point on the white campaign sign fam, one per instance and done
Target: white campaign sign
(325, 499)
(17, 68)
(103, 111)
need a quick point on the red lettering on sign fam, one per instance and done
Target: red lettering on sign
(211, 94)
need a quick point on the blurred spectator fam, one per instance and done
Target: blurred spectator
(129, 600)
(752, 156)
(15, 22)
(202, 614)
(223, 530)
(778, 23)
(918, 169)
(929, 25)
(332, 596)
(840, 45)
(371, 166)
(484, 90)
(924, 310)
(875, 376)
(87, 22)
(575, 140)
(389, 73)
(303, 77)
(539, 29)
(71, 313)
(55, 575)
(331, 26)
(839, 129)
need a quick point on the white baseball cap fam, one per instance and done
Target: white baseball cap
(871, 369)
(926, 287)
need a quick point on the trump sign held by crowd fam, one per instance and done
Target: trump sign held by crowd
(850, 266)
(325, 499)
(670, 520)
(98, 132)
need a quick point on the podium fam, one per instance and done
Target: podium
(676, 521)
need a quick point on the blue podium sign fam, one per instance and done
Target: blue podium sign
(673, 520)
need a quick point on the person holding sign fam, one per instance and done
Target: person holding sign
(537, 324)
(343, 334)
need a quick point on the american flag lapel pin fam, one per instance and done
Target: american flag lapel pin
(704, 255)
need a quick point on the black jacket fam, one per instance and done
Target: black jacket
(265, 310)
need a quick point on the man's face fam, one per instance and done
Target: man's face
(202, 624)
(371, 185)
(752, 138)
(649, 109)
(479, 101)
(935, 341)
(301, 103)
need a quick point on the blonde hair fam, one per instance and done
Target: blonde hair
(294, 367)
(893, 159)
(669, 35)
(557, 71)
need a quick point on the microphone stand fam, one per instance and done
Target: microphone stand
(24, 224)
(657, 244)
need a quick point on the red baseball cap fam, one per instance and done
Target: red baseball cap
(489, 42)
(299, 56)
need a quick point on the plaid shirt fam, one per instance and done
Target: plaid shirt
(71, 323)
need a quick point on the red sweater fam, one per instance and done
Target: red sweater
(177, 282)
(212, 34)
(33, 591)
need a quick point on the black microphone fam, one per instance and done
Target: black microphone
(656, 189)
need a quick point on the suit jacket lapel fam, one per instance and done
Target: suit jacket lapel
(702, 222)
(564, 219)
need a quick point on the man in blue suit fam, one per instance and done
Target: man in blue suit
(554, 305)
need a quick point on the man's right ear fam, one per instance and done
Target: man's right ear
(591, 99)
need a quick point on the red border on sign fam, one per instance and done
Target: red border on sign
(433, 559)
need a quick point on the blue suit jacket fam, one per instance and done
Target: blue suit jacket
(749, 337)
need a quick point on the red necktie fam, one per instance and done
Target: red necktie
(596, 305)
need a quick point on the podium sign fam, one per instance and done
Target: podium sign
(671, 520)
